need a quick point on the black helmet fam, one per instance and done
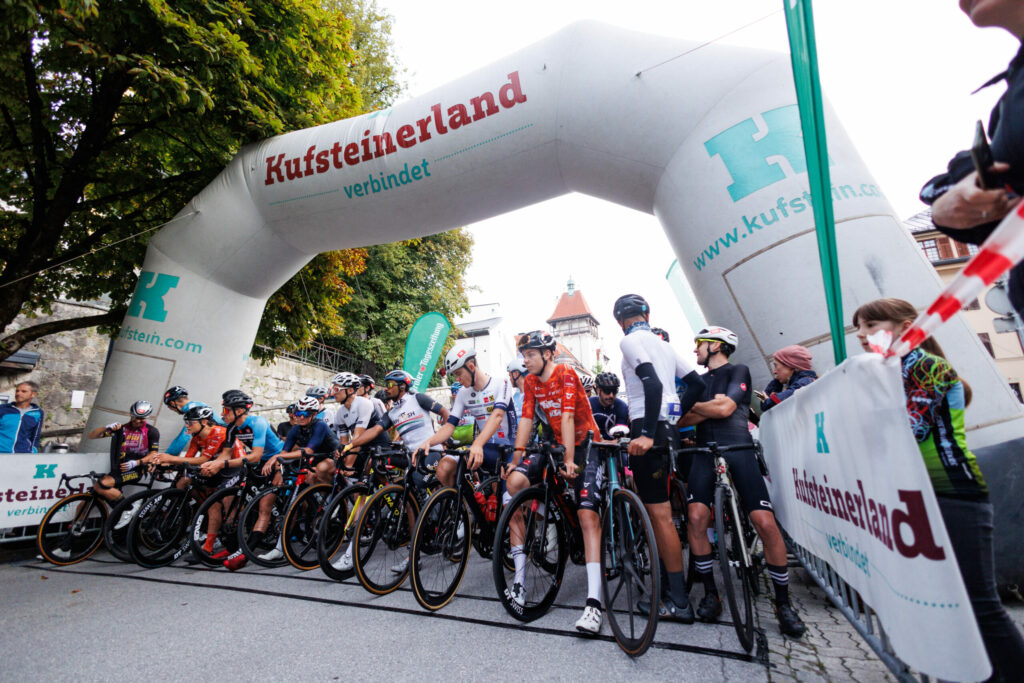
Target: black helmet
(367, 380)
(660, 332)
(142, 409)
(236, 398)
(629, 306)
(174, 393)
(400, 377)
(608, 381)
(290, 409)
(382, 396)
(197, 413)
(536, 340)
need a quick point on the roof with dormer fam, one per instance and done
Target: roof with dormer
(571, 305)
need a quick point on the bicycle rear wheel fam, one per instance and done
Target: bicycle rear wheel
(250, 514)
(228, 532)
(733, 562)
(336, 529)
(115, 529)
(384, 529)
(301, 528)
(630, 573)
(72, 529)
(439, 553)
(544, 554)
(157, 535)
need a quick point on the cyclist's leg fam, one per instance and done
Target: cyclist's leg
(108, 488)
(528, 472)
(323, 473)
(698, 519)
(588, 483)
(267, 508)
(447, 467)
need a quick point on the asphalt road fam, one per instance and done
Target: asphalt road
(106, 620)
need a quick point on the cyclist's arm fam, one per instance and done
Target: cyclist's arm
(522, 437)
(441, 435)
(569, 435)
(368, 435)
(721, 406)
(694, 390)
(432, 406)
(652, 398)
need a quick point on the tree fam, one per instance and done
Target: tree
(113, 116)
(402, 281)
(375, 70)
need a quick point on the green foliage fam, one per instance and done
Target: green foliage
(375, 70)
(403, 281)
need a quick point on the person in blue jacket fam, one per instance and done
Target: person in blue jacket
(791, 367)
(21, 422)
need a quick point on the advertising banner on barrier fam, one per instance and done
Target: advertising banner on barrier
(423, 346)
(29, 483)
(848, 483)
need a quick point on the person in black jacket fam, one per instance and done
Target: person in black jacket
(962, 209)
(791, 368)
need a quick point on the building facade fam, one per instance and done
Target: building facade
(576, 328)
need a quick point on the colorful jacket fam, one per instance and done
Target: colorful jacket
(777, 393)
(19, 432)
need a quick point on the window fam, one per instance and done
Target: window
(930, 249)
(972, 249)
(983, 336)
(1015, 386)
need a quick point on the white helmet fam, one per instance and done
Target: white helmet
(347, 379)
(308, 403)
(457, 357)
(719, 334)
(516, 365)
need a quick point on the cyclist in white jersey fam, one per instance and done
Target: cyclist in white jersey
(484, 399)
(367, 391)
(355, 414)
(409, 414)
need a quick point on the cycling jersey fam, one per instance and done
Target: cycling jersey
(131, 444)
(359, 415)
(562, 393)
(255, 432)
(183, 438)
(478, 406)
(316, 436)
(410, 415)
(734, 382)
(640, 346)
(211, 444)
(606, 418)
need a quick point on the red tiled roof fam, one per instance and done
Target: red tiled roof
(571, 306)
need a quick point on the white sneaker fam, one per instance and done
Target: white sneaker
(518, 594)
(460, 533)
(400, 567)
(590, 622)
(126, 516)
(343, 563)
(61, 554)
(272, 556)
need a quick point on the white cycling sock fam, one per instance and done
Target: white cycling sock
(519, 559)
(594, 581)
(541, 509)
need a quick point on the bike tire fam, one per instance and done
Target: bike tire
(439, 556)
(251, 513)
(75, 532)
(158, 533)
(197, 529)
(301, 526)
(629, 572)
(116, 540)
(336, 529)
(545, 566)
(387, 530)
(733, 568)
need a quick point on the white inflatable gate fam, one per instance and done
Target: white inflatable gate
(709, 143)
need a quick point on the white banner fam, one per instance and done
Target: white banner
(30, 483)
(848, 483)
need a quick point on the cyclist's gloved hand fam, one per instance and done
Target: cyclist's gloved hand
(129, 465)
(113, 426)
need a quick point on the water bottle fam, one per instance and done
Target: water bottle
(481, 500)
(492, 508)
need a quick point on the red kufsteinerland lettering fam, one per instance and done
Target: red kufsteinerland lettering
(438, 121)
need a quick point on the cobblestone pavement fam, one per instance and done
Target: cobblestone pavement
(831, 650)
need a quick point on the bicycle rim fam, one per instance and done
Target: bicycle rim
(72, 529)
(198, 530)
(336, 529)
(116, 540)
(251, 513)
(733, 570)
(629, 569)
(301, 527)
(384, 534)
(439, 553)
(158, 530)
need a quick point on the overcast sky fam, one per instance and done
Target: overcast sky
(899, 74)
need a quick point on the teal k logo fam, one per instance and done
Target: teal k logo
(45, 472)
(819, 424)
(752, 154)
(148, 301)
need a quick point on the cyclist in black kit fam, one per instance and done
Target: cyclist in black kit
(608, 409)
(721, 416)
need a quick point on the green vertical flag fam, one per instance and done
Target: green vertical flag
(800, 24)
(423, 345)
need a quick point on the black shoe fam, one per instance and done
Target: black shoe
(667, 609)
(710, 607)
(789, 621)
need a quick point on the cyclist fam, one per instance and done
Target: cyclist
(206, 438)
(310, 436)
(558, 392)
(517, 375)
(367, 390)
(608, 409)
(485, 401)
(382, 396)
(176, 398)
(721, 416)
(649, 370)
(284, 427)
(129, 444)
(588, 385)
(320, 394)
(355, 415)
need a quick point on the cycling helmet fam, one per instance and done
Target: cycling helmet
(290, 409)
(457, 357)
(197, 413)
(719, 334)
(141, 409)
(516, 365)
(307, 404)
(317, 392)
(174, 393)
(588, 382)
(337, 379)
(630, 306)
(351, 381)
(366, 380)
(237, 398)
(536, 340)
(382, 396)
(607, 381)
(400, 377)
(660, 332)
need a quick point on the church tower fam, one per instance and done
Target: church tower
(575, 326)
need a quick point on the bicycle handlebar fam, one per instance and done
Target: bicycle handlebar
(712, 448)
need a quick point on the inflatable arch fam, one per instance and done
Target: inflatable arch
(709, 143)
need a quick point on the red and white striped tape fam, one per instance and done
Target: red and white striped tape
(1003, 249)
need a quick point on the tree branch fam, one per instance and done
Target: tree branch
(11, 343)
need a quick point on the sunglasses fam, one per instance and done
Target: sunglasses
(302, 413)
(391, 384)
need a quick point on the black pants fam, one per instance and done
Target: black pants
(969, 523)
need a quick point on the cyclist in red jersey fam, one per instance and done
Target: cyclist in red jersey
(557, 391)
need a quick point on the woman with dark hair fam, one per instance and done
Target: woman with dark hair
(936, 399)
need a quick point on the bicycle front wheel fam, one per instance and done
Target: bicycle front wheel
(228, 531)
(630, 573)
(301, 527)
(279, 497)
(734, 566)
(440, 549)
(115, 529)
(384, 532)
(72, 529)
(157, 535)
(333, 548)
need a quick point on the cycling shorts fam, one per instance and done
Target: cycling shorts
(650, 470)
(122, 478)
(746, 477)
(229, 478)
(587, 484)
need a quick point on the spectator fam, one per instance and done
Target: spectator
(936, 400)
(21, 422)
(960, 207)
(791, 368)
